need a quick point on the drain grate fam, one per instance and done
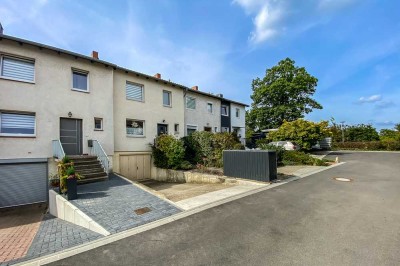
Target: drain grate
(342, 179)
(142, 210)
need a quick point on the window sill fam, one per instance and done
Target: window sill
(169, 106)
(19, 80)
(133, 136)
(98, 129)
(73, 89)
(17, 136)
(224, 115)
(140, 101)
(193, 109)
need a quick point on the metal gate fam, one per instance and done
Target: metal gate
(23, 181)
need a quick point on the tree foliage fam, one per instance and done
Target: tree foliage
(303, 132)
(361, 132)
(284, 94)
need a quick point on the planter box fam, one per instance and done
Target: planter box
(72, 189)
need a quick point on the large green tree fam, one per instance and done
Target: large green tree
(284, 94)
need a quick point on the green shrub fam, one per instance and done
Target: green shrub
(70, 171)
(222, 141)
(168, 152)
(299, 157)
(199, 145)
(279, 151)
(185, 165)
(387, 145)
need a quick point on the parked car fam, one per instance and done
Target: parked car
(287, 145)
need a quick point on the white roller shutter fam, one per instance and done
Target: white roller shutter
(134, 92)
(18, 69)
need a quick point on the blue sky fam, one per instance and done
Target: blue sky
(351, 46)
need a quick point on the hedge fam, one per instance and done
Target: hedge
(384, 145)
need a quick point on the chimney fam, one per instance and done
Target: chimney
(95, 54)
(195, 88)
(1, 29)
(158, 75)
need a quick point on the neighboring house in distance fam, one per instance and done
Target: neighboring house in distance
(225, 115)
(144, 107)
(202, 112)
(238, 119)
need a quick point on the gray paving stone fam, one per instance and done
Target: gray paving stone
(112, 204)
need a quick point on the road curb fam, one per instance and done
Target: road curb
(118, 236)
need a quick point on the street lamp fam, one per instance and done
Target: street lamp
(342, 127)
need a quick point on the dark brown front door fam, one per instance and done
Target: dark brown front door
(162, 129)
(71, 135)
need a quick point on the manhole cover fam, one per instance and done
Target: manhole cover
(342, 179)
(142, 210)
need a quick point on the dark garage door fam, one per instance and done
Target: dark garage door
(23, 181)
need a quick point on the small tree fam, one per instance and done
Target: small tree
(361, 132)
(303, 132)
(168, 152)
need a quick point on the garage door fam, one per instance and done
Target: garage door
(135, 167)
(23, 181)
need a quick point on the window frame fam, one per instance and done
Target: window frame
(189, 125)
(16, 135)
(136, 84)
(15, 57)
(176, 126)
(212, 107)
(237, 113)
(170, 98)
(227, 110)
(136, 136)
(82, 72)
(186, 103)
(101, 123)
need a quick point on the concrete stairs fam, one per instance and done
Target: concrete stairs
(89, 168)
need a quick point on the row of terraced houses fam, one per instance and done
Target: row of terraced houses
(55, 102)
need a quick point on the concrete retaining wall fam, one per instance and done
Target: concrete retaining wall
(176, 176)
(61, 208)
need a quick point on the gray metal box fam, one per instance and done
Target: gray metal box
(251, 164)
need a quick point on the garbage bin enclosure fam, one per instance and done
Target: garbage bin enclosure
(251, 164)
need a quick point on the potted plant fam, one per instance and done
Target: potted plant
(54, 181)
(72, 192)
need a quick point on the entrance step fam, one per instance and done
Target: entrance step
(89, 168)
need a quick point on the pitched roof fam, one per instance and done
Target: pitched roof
(91, 59)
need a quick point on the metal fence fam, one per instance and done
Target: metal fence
(251, 164)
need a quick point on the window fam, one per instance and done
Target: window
(225, 129)
(190, 129)
(215, 129)
(190, 102)
(80, 80)
(18, 69)
(17, 124)
(176, 128)
(98, 123)
(208, 129)
(134, 127)
(134, 92)
(166, 98)
(224, 110)
(237, 112)
(210, 108)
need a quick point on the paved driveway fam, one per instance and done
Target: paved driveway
(313, 221)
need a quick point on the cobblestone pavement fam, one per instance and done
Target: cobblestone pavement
(54, 235)
(112, 204)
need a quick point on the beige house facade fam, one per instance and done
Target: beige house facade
(202, 112)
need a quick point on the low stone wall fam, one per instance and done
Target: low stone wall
(61, 208)
(176, 176)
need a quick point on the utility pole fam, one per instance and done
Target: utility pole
(342, 127)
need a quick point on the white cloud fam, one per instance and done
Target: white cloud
(370, 99)
(272, 17)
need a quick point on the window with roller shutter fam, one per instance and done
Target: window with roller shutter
(134, 92)
(17, 124)
(17, 69)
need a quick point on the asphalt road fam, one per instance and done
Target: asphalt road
(313, 221)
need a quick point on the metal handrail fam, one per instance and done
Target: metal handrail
(58, 151)
(98, 151)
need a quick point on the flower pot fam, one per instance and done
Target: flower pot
(72, 191)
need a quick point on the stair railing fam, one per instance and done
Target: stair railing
(97, 150)
(58, 151)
